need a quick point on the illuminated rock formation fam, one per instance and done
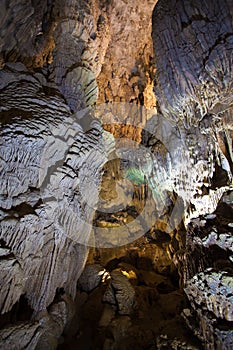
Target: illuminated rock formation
(57, 60)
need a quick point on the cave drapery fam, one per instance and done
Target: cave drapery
(65, 67)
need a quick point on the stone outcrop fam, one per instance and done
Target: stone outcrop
(124, 311)
(91, 277)
(44, 153)
(208, 274)
(127, 70)
(193, 87)
(120, 293)
(78, 41)
(41, 333)
(37, 201)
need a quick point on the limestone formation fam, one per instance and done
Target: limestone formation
(44, 153)
(57, 60)
(120, 293)
(195, 79)
(193, 87)
(214, 289)
(91, 277)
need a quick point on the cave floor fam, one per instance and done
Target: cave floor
(138, 301)
(153, 321)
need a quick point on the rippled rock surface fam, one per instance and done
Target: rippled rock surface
(193, 86)
(54, 57)
(195, 79)
(44, 153)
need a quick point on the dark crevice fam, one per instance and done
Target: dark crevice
(13, 115)
(220, 40)
(57, 298)
(24, 209)
(220, 177)
(20, 312)
(195, 18)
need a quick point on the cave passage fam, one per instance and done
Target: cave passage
(116, 184)
(130, 293)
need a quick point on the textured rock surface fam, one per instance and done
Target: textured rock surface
(127, 71)
(54, 56)
(28, 334)
(42, 333)
(107, 318)
(214, 289)
(42, 219)
(193, 86)
(163, 342)
(196, 77)
(91, 277)
(77, 41)
(208, 273)
(44, 153)
(120, 293)
(51, 53)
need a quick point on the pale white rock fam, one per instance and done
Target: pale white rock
(213, 290)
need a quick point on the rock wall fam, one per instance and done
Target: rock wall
(45, 155)
(47, 201)
(193, 87)
(127, 70)
(52, 55)
(196, 78)
(57, 59)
